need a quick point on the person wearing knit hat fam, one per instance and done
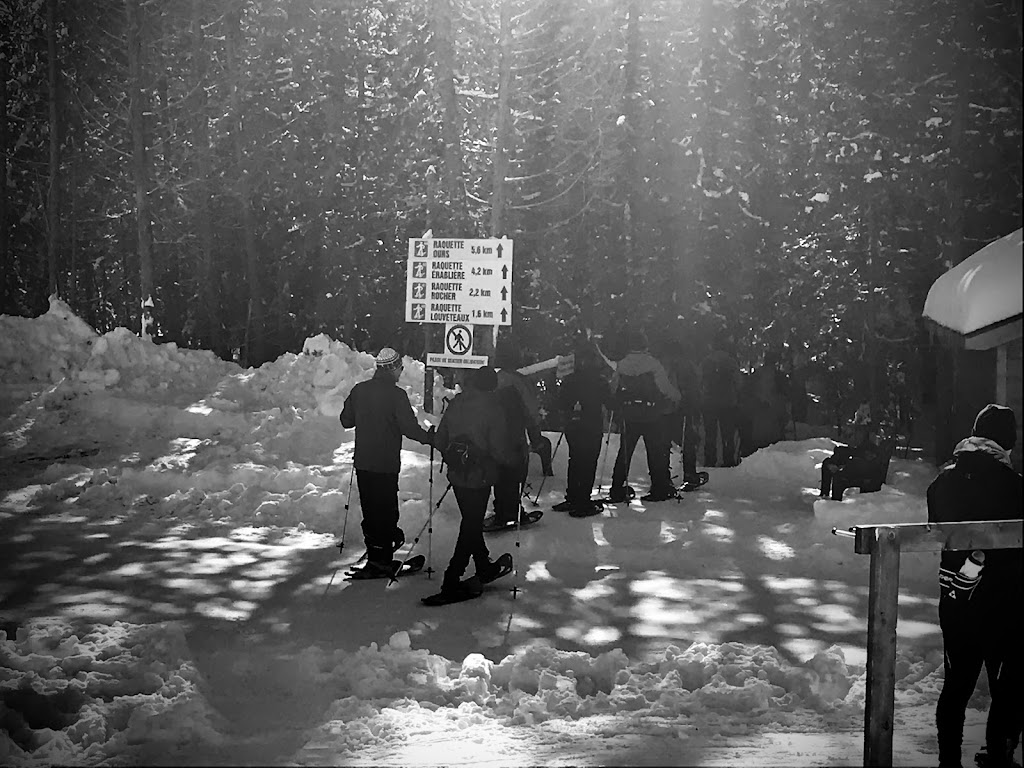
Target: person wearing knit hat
(382, 415)
(980, 611)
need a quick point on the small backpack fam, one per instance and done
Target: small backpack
(638, 397)
(462, 455)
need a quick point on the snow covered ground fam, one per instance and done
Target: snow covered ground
(171, 594)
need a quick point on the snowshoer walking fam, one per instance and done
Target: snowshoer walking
(522, 415)
(581, 398)
(980, 611)
(720, 381)
(472, 439)
(683, 373)
(644, 397)
(381, 413)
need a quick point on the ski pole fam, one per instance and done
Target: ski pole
(604, 456)
(412, 548)
(515, 561)
(545, 477)
(430, 506)
(348, 503)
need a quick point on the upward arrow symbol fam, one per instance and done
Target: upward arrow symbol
(504, 270)
(504, 315)
(499, 250)
(504, 293)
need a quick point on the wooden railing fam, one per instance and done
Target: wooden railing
(884, 544)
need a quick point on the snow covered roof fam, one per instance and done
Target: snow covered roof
(982, 291)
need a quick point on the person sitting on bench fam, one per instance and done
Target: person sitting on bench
(848, 467)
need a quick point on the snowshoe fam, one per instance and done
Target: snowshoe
(586, 509)
(500, 567)
(660, 494)
(620, 495)
(492, 525)
(467, 589)
(376, 571)
(693, 482)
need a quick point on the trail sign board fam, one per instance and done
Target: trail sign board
(452, 280)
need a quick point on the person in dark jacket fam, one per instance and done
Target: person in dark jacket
(678, 360)
(472, 436)
(581, 398)
(643, 398)
(980, 615)
(720, 380)
(850, 465)
(523, 418)
(381, 413)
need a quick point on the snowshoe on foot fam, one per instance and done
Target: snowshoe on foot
(467, 589)
(493, 525)
(500, 567)
(394, 569)
(693, 482)
(620, 495)
(659, 494)
(586, 509)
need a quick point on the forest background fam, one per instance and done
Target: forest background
(238, 175)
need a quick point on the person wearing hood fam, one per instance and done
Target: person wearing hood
(381, 413)
(473, 438)
(644, 398)
(980, 592)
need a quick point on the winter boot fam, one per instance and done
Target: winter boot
(564, 506)
(586, 509)
(620, 494)
(495, 570)
(660, 494)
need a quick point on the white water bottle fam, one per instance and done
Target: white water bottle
(972, 566)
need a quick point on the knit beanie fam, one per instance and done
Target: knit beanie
(997, 423)
(388, 359)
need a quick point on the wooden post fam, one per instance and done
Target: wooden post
(884, 543)
(881, 665)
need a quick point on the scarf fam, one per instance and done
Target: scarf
(983, 444)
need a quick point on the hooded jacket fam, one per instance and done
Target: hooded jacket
(978, 485)
(642, 364)
(381, 413)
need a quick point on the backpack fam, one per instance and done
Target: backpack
(639, 398)
(463, 456)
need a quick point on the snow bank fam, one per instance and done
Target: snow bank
(80, 694)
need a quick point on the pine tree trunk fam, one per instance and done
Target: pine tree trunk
(140, 166)
(630, 175)
(451, 127)
(953, 251)
(6, 264)
(503, 122)
(254, 334)
(52, 214)
(209, 331)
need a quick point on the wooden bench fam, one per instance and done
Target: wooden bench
(868, 476)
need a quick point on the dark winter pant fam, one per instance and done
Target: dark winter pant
(657, 441)
(378, 497)
(971, 640)
(508, 492)
(720, 417)
(470, 545)
(690, 438)
(584, 451)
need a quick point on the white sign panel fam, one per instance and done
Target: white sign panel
(459, 281)
(455, 361)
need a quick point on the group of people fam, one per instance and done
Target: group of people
(661, 397)
(485, 437)
(489, 429)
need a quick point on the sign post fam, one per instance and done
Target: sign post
(460, 282)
